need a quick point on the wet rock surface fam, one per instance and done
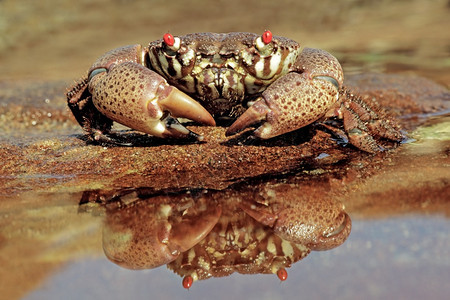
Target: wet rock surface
(41, 140)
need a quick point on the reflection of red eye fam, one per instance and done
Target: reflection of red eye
(168, 39)
(282, 274)
(267, 37)
(187, 281)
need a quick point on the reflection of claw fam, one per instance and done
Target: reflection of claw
(335, 237)
(149, 234)
(321, 226)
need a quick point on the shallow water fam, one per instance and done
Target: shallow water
(51, 247)
(378, 261)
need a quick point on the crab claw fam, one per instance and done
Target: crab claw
(290, 103)
(148, 235)
(139, 98)
(255, 114)
(319, 224)
(295, 99)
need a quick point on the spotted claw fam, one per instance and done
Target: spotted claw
(133, 95)
(150, 234)
(292, 102)
(295, 100)
(319, 225)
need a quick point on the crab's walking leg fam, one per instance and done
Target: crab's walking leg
(80, 103)
(296, 99)
(362, 123)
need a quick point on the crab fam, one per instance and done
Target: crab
(262, 81)
(204, 235)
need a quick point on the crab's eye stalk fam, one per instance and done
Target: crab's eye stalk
(172, 43)
(267, 37)
(264, 43)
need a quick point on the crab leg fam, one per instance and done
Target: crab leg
(133, 95)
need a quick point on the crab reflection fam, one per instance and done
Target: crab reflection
(203, 234)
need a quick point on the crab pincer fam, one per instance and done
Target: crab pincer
(150, 234)
(295, 100)
(133, 95)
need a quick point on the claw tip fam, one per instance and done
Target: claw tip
(253, 115)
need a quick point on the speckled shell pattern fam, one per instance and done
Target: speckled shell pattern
(149, 234)
(127, 94)
(300, 98)
(223, 70)
(226, 73)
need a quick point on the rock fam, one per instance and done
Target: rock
(43, 149)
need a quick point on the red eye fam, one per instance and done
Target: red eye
(267, 37)
(282, 274)
(168, 39)
(187, 282)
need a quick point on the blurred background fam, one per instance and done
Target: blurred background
(60, 39)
